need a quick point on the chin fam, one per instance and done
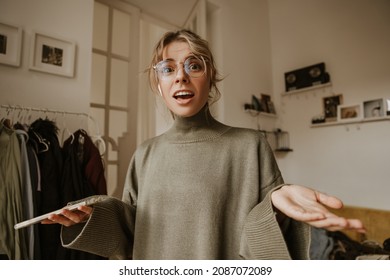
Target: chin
(185, 113)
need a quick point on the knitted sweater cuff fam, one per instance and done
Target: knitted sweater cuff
(105, 233)
(263, 238)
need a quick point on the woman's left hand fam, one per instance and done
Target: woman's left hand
(310, 206)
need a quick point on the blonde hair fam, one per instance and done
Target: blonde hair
(198, 46)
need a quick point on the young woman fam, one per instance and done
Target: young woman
(202, 190)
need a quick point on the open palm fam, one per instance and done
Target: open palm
(310, 206)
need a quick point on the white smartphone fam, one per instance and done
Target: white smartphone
(88, 201)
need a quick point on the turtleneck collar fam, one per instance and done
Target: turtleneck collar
(200, 127)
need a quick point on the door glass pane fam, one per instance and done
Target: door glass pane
(119, 80)
(100, 26)
(117, 127)
(121, 33)
(112, 152)
(112, 172)
(97, 127)
(98, 78)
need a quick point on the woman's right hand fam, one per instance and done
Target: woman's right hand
(68, 218)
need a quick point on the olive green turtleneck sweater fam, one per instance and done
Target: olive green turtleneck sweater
(199, 191)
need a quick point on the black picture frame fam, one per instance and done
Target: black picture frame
(330, 104)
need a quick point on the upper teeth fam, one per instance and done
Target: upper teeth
(182, 93)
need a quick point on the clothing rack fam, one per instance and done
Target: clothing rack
(96, 138)
(10, 108)
(35, 184)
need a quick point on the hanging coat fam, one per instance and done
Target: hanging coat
(83, 176)
(43, 133)
(12, 243)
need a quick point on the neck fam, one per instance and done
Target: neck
(200, 119)
(199, 127)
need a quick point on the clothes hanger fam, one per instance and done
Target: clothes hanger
(6, 121)
(66, 130)
(41, 141)
(28, 116)
(97, 139)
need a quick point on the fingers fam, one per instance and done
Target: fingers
(336, 223)
(47, 222)
(86, 209)
(61, 219)
(302, 215)
(355, 224)
(328, 200)
(330, 222)
(68, 218)
(322, 218)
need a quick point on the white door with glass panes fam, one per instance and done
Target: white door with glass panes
(114, 85)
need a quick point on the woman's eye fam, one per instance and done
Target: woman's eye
(195, 66)
(167, 69)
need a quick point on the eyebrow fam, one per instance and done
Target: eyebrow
(189, 56)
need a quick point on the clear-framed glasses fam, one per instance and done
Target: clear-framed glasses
(195, 67)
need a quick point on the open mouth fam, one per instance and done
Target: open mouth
(183, 95)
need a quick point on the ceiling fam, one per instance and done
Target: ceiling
(174, 12)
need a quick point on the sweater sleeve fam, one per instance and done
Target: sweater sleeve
(108, 232)
(263, 237)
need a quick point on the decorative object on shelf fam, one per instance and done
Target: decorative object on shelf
(330, 104)
(349, 112)
(282, 141)
(256, 104)
(264, 104)
(318, 119)
(375, 108)
(306, 77)
(52, 55)
(10, 44)
(271, 107)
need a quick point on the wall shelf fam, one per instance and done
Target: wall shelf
(280, 140)
(255, 113)
(377, 119)
(292, 92)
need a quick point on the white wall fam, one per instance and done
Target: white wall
(243, 57)
(353, 38)
(71, 19)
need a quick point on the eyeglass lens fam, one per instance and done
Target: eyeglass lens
(193, 66)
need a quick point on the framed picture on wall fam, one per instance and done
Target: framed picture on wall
(10, 44)
(52, 55)
(330, 104)
(265, 101)
(349, 112)
(374, 108)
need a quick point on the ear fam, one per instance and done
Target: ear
(159, 89)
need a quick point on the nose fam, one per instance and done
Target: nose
(181, 75)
